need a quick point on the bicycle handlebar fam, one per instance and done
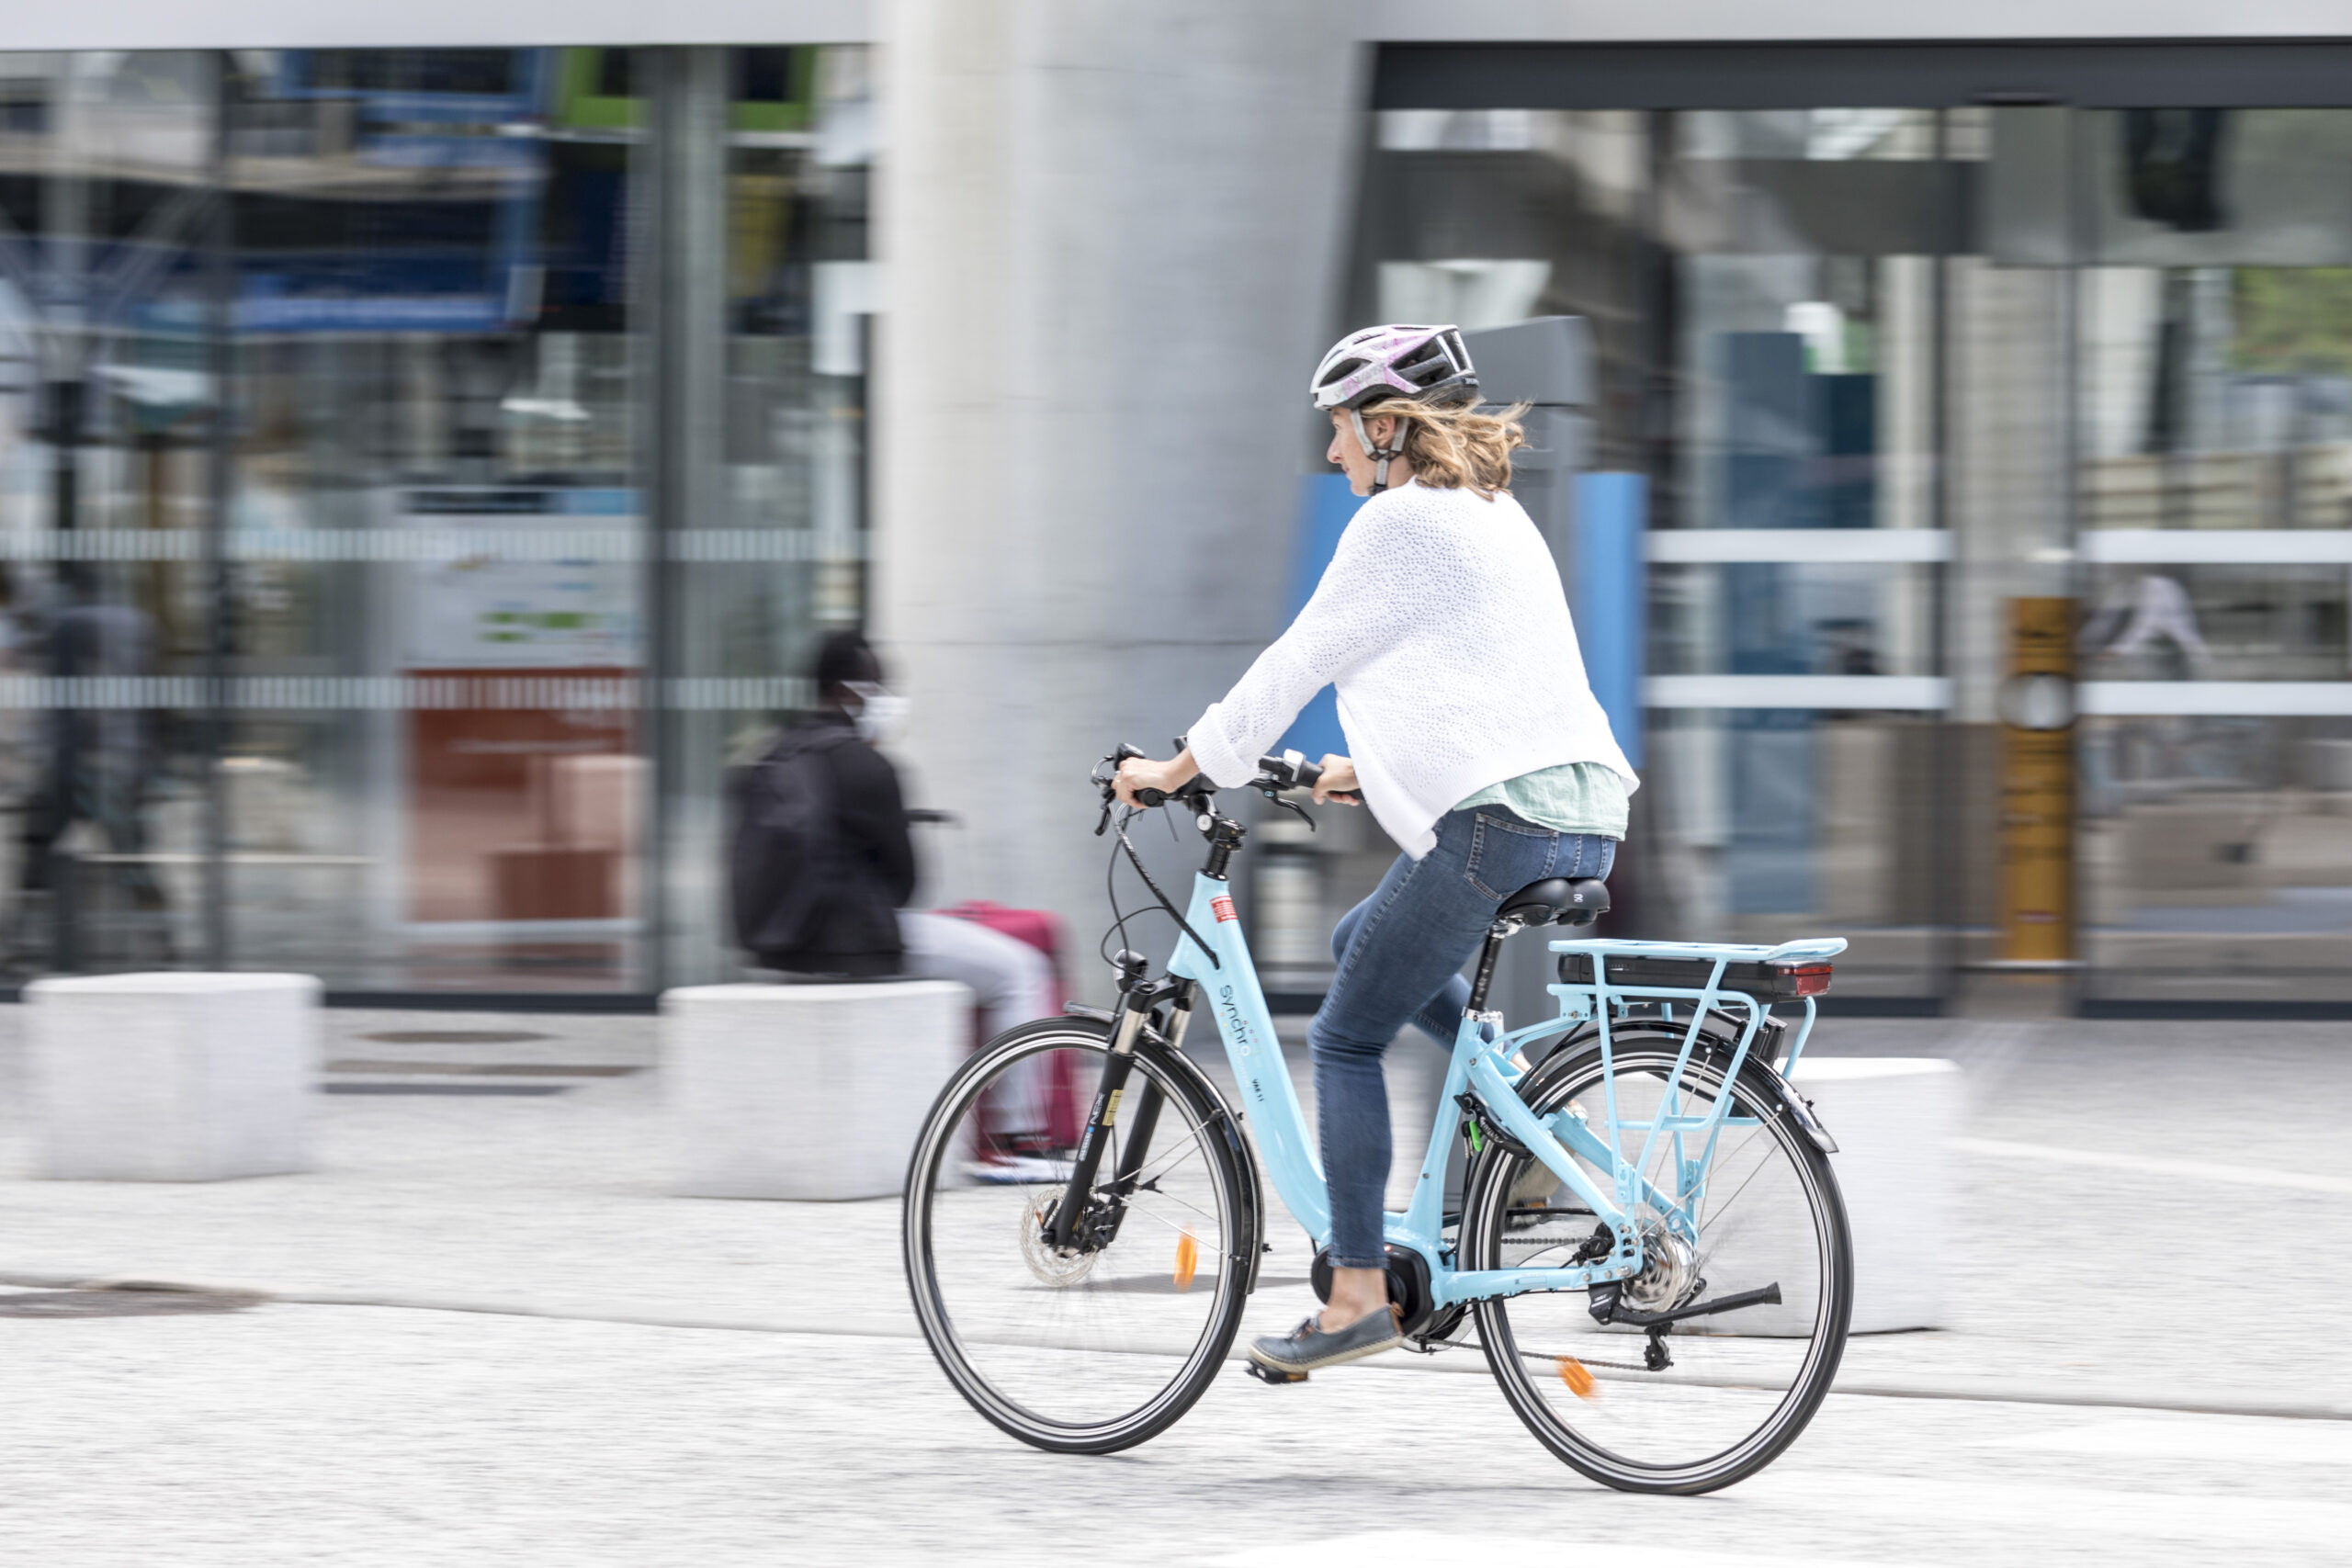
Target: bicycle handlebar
(1276, 775)
(1288, 770)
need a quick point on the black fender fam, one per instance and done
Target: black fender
(1798, 1109)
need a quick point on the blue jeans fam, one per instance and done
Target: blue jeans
(1400, 955)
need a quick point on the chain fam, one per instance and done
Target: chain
(1433, 1346)
(1584, 1362)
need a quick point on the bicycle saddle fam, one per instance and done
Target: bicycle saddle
(1572, 901)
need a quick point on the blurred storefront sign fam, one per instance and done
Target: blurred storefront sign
(524, 809)
(2037, 713)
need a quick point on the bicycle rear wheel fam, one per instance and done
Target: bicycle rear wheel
(1100, 1348)
(1737, 1388)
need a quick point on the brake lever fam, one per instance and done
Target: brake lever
(1293, 806)
(1108, 784)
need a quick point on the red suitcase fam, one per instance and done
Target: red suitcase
(1043, 932)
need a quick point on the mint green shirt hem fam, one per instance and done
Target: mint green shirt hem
(1576, 797)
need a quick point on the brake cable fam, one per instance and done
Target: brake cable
(1165, 902)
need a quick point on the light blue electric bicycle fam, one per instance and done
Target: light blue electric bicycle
(1647, 1237)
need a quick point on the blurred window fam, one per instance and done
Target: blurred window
(104, 620)
(435, 772)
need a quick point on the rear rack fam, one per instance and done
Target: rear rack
(1600, 975)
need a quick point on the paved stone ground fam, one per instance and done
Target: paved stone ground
(2141, 1369)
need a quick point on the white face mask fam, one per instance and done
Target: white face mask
(880, 711)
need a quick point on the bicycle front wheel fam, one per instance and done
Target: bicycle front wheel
(1095, 1348)
(1711, 1399)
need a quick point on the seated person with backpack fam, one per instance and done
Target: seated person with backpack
(823, 862)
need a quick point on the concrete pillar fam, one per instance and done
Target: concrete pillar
(1112, 238)
(684, 279)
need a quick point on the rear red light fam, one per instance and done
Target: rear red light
(1803, 979)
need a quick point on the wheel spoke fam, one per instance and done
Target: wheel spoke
(1136, 1208)
(1154, 1169)
(1714, 1219)
(1159, 1219)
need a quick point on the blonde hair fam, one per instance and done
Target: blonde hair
(1455, 446)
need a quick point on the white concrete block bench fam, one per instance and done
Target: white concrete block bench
(1894, 1118)
(174, 1077)
(806, 1091)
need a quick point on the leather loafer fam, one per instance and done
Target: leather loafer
(1310, 1347)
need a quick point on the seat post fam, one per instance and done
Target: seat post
(1486, 956)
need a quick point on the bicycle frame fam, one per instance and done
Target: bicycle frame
(1481, 1065)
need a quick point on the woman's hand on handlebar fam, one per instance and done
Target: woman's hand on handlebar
(1142, 772)
(1339, 783)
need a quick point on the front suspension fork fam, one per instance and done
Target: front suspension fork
(1136, 1002)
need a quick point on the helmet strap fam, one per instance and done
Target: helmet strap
(1380, 456)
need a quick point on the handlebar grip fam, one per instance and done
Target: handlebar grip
(1196, 786)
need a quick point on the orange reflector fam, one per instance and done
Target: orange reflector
(1573, 1373)
(1188, 1259)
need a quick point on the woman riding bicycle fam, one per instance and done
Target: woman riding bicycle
(1477, 744)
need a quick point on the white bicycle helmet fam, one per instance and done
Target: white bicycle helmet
(1425, 364)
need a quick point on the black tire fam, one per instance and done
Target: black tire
(1010, 1367)
(1702, 1406)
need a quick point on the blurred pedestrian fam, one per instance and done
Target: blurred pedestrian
(98, 762)
(824, 862)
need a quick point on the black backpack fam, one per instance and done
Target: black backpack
(787, 859)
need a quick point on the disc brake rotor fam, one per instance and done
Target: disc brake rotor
(1049, 1265)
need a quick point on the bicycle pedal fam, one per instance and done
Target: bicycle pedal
(1270, 1374)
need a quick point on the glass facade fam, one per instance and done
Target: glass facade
(421, 472)
(2215, 501)
(361, 616)
(1897, 380)
(1801, 249)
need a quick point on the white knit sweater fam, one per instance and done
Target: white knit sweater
(1441, 622)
